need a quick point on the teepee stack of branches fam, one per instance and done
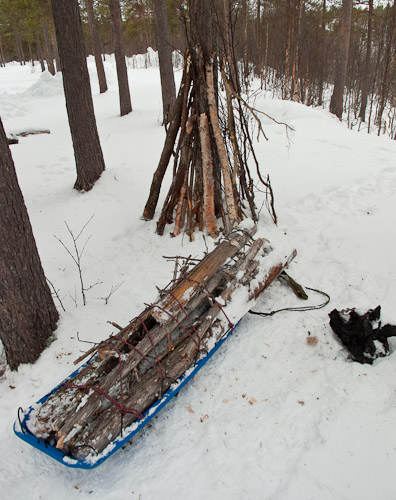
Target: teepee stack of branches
(209, 139)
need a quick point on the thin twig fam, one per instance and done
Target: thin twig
(56, 294)
(77, 256)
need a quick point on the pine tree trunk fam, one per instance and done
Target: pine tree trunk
(288, 36)
(40, 53)
(96, 47)
(229, 48)
(385, 77)
(30, 53)
(87, 149)
(337, 97)
(2, 58)
(165, 59)
(20, 49)
(48, 51)
(322, 50)
(367, 64)
(28, 315)
(122, 73)
(55, 52)
(258, 34)
(245, 10)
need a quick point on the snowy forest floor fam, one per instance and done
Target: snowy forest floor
(279, 412)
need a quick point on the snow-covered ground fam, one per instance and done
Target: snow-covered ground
(273, 415)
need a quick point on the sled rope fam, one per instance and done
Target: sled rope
(302, 308)
(192, 332)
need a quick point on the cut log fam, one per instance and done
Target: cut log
(182, 292)
(208, 182)
(231, 204)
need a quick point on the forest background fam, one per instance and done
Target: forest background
(292, 45)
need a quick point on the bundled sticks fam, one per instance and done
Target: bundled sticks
(134, 367)
(210, 140)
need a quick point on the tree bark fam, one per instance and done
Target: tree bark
(18, 47)
(367, 64)
(165, 59)
(122, 73)
(87, 150)
(208, 182)
(40, 53)
(96, 47)
(232, 213)
(47, 50)
(385, 77)
(2, 58)
(336, 103)
(229, 46)
(245, 10)
(28, 315)
(287, 46)
(322, 52)
(30, 53)
(55, 52)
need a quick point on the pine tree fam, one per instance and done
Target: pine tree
(87, 150)
(336, 102)
(122, 73)
(28, 315)
(165, 59)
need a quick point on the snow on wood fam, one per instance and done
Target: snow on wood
(137, 365)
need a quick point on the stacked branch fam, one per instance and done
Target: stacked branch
(209, 137)
(134, 367)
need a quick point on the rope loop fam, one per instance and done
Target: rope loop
(303, 308)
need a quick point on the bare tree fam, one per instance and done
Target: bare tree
(122, 73)
(96, 47)
(337, 97)
(28, 315)
(87, 150)
(165, 59)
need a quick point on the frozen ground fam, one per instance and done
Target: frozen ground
(271, 416)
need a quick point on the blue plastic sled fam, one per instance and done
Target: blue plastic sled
(21, 429)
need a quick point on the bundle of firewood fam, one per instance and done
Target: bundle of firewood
(134, 367)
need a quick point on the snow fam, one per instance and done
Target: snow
(279, 412)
